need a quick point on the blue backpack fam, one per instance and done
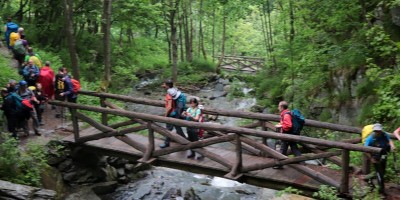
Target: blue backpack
(11, 27)
(298, 121)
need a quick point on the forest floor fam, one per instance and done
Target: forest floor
(57, 128)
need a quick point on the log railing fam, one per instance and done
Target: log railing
(239, 136)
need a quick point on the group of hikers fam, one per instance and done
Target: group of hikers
(291, 122)
(26, 99)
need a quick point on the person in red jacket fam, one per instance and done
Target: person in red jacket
(285, 126)
(46, 78)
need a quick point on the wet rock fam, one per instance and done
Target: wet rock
(10, 190)
(172, 193)
(117, 162)
(105, 188)
(70, 176)
(129, 167)
(65, 166)
(223, 81)
(111, 173)
(191, 195)
(84, 193)
(257, 108)
(243, 191)
(123, 180)
(121, 172)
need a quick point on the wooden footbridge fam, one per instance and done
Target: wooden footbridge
(241, 63)
(247, 160)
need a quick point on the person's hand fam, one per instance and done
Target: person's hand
(278, 126)
(392, 148)
(62, 94)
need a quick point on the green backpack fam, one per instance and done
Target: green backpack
(19, 47)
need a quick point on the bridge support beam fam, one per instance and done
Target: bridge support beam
(344, 185)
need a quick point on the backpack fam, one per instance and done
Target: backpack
(19, 47)
(76, 86)
(201, 120)
(366, 131)
(26, 105)
(11, 27)
(17, 100)
(298, 121)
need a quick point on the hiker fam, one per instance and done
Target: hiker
(46, 78)
(9, 28)
(381, 139)
(19, 50)
(41, 103)
(192, 114)
(68, 91)
(14, 36)
(173, 108)
(25, 93)
(286, 127)
(30, 55)
(11, 86)
(10, 109)
(396, 133)
(30, 73)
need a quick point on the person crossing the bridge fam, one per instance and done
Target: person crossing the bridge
(286, 127)
(174, 105)
(193, 114)
(381, 139)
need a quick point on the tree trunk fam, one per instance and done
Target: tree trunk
(106, 24)
(218, 69)
(69, 30)
(174, 43)
(201, 34)
(181, 37)
(213, 35)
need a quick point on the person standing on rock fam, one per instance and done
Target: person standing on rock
(174, 106)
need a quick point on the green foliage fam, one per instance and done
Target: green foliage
(326, 193)
(23, 167)
(236, 89)
(7, 72)
(288, 190)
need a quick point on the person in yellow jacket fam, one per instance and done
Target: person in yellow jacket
(31, 55)
(16, 36)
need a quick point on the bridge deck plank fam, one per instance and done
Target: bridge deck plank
(287, 175)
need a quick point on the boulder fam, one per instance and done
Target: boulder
(10, 190)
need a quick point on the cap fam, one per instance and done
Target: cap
(175, 93)
(22, 83)
(377, 127)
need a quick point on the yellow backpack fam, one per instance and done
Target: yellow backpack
(366, 131)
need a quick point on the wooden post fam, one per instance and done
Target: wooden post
(366, 164)
(75, 124)
(104, 117)
(150, 148)
(264, 128)
(344, 185)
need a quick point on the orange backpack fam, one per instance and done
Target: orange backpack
(76, 85)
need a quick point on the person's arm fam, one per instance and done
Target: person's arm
(286, 122)
(168, 108)
(367, 143)
(396, 133)
(69, 88)
(392, 147)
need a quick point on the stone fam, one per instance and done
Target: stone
(123, 180)
(65, 166)
(121, 172)
(105, 188)
(172, 193)
(111, 173)
(129, 167)
(10, 190)
(191, 195)
(55, 160)
(243, 191)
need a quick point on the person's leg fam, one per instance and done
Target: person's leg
(192, 137)
(284, 147)
(294, 148)
(35, 121)
(167, 140)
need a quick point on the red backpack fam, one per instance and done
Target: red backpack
(201, 120)
(76, 85)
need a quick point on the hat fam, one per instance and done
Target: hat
(22, 83)
(20, 29)
(12, 81)
(377, 127)
(175, 93)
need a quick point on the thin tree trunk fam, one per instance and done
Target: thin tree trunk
(270, 33)
(181, 35)
(218, 68)
(186, 28)
(213, 35)
(106, 24)
(191, 31)
(201, 34)
(174, 42)
(69, 30)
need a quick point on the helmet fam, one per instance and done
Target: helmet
(23, 83)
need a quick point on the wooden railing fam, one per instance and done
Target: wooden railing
(242, 63)
(237, 135)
